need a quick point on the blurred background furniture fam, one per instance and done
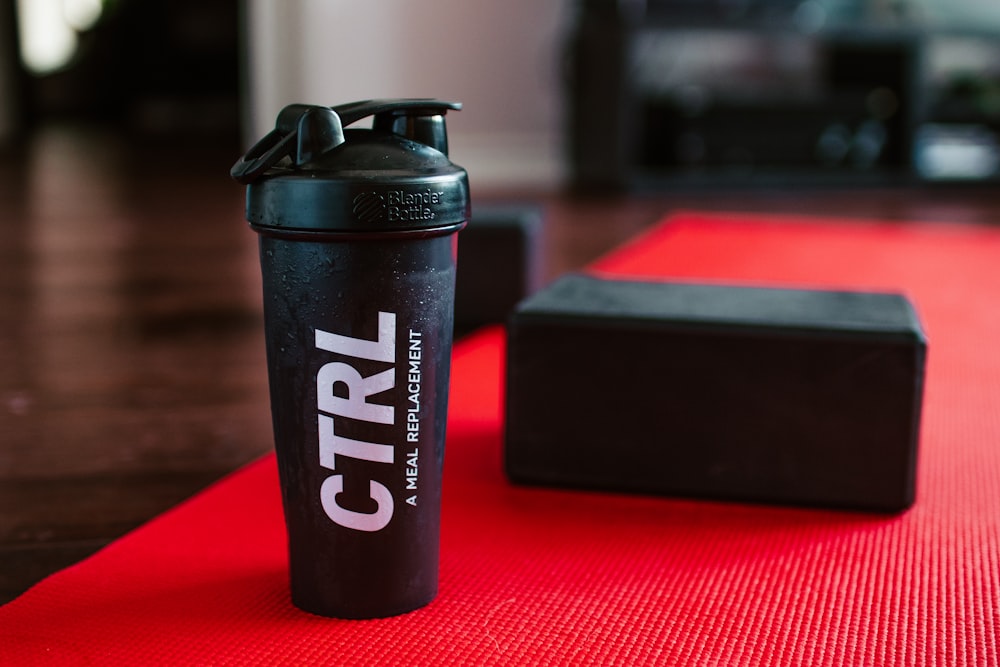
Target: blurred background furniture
(673, 93)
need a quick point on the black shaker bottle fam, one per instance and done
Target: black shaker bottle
(357, 231)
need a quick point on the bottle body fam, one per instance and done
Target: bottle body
(359, 333)
(358, 238)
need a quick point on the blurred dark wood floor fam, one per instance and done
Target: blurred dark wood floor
(131, 339)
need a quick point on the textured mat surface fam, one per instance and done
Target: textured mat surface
(534, 576)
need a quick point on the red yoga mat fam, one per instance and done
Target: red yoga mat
(539, 577)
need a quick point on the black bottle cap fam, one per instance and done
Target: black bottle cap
(311, 176)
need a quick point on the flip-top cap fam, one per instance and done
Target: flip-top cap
(311, 176)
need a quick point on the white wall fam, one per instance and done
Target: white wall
(500, 58)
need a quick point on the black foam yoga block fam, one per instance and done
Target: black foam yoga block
(498, 263)
(784, 396)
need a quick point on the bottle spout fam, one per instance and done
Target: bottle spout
(418, 119)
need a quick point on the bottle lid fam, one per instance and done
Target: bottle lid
(312, 176)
